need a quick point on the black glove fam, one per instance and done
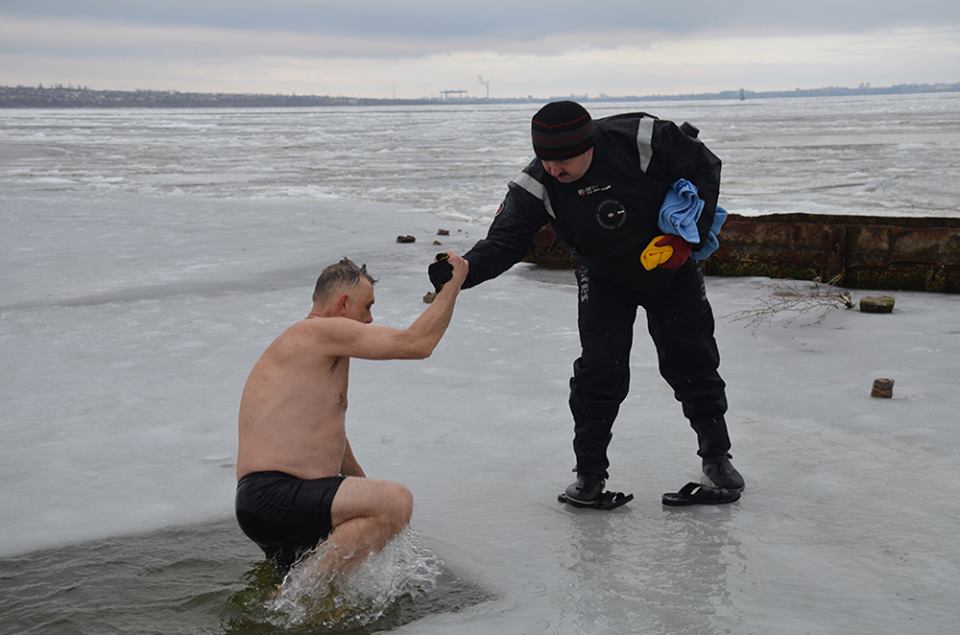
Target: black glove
(440, 271)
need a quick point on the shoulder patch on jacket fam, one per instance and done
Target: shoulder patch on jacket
(645, 141)
(536, 189)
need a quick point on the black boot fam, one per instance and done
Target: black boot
(586, 489)
(720, 471)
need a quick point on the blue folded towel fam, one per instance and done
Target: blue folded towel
(680, 212)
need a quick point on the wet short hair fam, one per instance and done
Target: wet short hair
(345, 273)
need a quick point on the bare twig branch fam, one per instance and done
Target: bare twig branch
(795, 299)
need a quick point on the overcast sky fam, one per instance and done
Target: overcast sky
(417, 48)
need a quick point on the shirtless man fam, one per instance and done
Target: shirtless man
(298, 480)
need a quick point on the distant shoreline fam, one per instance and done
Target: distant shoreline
(59, 96)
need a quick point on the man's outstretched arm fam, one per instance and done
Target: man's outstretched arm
(510, 235)
(342, 337)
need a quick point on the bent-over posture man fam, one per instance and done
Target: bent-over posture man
(298, 479)
(601, 185)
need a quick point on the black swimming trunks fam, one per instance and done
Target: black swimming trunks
(286, 516)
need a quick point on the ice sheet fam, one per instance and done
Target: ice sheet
(127, 327)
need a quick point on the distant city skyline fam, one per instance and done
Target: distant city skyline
(67, 96)
(420, 48)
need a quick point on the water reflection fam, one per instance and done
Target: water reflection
(662, 570)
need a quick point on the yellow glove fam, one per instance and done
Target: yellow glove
(668, 251)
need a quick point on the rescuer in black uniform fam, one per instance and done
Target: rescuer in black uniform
(601, 184)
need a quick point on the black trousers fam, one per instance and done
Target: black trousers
(680, 322)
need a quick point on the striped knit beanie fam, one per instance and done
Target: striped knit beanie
(561, 130)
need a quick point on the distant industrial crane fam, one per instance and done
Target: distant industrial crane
(485, 84)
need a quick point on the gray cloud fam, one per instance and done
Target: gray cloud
(362, 46)
(500, 20)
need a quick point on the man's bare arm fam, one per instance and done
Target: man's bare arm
(342, 337)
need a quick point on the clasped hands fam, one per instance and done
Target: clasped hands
(442, 269)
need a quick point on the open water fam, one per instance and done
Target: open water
(895, 155)
(147, 257)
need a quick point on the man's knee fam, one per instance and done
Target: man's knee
(606, 382)
(399, 508)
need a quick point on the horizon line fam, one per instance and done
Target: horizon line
(741, 93)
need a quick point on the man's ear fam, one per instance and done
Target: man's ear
(343, 304)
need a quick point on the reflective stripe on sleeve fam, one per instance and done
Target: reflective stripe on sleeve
(645, 141)
(536, 188)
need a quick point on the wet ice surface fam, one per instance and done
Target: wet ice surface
(127, 327)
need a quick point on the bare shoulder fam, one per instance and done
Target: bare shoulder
(300, 343)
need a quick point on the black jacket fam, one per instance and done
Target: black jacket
(608, 216)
